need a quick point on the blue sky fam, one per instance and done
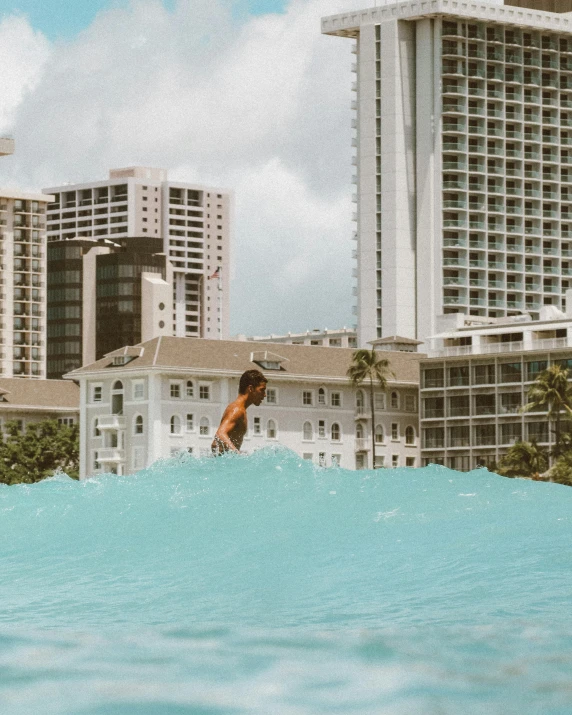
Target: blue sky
(61, 19)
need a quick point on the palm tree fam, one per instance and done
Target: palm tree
(368, 367)
(523, 459)
(551, 392)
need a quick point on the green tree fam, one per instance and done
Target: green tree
(523, 459)
(561, 472)
(552, 392)
(39, 451)
(367, 367)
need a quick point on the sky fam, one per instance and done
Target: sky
(240, 94)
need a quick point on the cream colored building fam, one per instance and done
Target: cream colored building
(340, 338)
(167, 395)
(28, 401)
(193, 220)
(23, 284)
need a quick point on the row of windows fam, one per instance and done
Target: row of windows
(488, 374)
(409, 402)
(410, 434)
(485, 434)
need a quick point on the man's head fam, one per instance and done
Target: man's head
(253, 384)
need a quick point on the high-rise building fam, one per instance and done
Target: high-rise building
(193, 222)
(22, 284)
(103, 295)
(464, 161)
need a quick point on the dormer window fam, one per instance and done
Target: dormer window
(268, 360)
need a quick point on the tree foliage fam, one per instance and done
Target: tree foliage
(39, 451)
(523, 459)
(367, 367)
(551, 392)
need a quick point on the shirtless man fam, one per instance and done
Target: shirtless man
(233, 426)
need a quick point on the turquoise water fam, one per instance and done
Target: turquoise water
(265, 585)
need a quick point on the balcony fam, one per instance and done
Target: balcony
(549, 343)
(110, 454)
(111, 422)
(362, 445)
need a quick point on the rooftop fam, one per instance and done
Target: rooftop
(39, 394)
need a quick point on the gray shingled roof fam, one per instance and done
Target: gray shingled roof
(235, 356)
(48, 394)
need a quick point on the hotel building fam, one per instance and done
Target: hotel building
(463, 118)
(166, 396)
(341, 338)
(22, 284)
(193, 222)
(475, 381)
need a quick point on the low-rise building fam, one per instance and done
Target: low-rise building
(340, 338)
(27, 401)
(167, 395)
(475, 380)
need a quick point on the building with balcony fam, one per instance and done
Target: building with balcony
(463, 161)
(167, 395)
(193, 222)
(341, 338)
(22, 284)
(103, 295)
(475, 380)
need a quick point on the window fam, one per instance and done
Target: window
(409, 435)
(510, 402)
(534, 368)
(308, 432)
(458, 376)
(96, 464)
(117, 398)
(190, 423)
(484, 374)
(66, 421)
(379, 401)
(379, 461)
(307, 398)
(271, 429)
(190, 389)
(409, 461)
(511, 372)
(138, 429)
(271, 396)
(204, 427)
(321, 428)
(138, 389)
(433, 377)
(204, 392)
(336, 460)
(308, 456)
(335, 432)
(335, 399)
(360, 401)
(175, 390)
(257, 429)
(322, 459)
(410, 403)
(434, 438)
(96, 393)
(394, 460)
(379, 434)
(359, 431)
(511, 433)
(321, 396)
(175, 424)
(537, 431)
(394, 401)
(96, 431)
(485, 434)
(394, 431)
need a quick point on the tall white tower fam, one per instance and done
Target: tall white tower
(464, 161)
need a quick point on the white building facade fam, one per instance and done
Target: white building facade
(474, 384)
(167, 395)
(23, 284)
(463, 161)
(341, 338)
(194, 222)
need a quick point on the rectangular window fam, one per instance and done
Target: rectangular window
(534, 368)
(175, 390)
(336, 399)
(138, 389)
(410, 403)
(257, 429)
(322, 459)
(190, 423)
(409, 461)
(66, 421)
(485, 434)
(204, 392)
(271, 396)
(307, 398)
(433, 407)
(96, 464)
(394, 431)
(433, 377)
(379, 401)
(511, 372)
(394, 460)
(510, 402)
(96, 394)
(485, 404)
(511, 433)
(458, 376)
(484, 374)
(459, 406)
(537, 431)
(379, 461)
(308, 456)
(433, 438)
(321, 428)
(459, 436)
(336, 460)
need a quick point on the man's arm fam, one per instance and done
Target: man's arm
(229, 422)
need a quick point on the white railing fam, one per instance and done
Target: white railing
(362, 444)
(362, 413)
(515, 346)
(550, 343)
(113, 422)
(482, 349)
(110, 454)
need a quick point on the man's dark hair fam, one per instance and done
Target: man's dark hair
(248, 378)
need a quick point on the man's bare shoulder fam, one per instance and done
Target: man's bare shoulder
(235, 410)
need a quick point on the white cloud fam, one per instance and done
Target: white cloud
(262, 108)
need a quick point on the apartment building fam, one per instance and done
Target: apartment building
(463, 161)
(475, 380)
(103, 295)
(340, 338)
(193, 221)
(22, 284)
(164, 396)
(26, 402)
